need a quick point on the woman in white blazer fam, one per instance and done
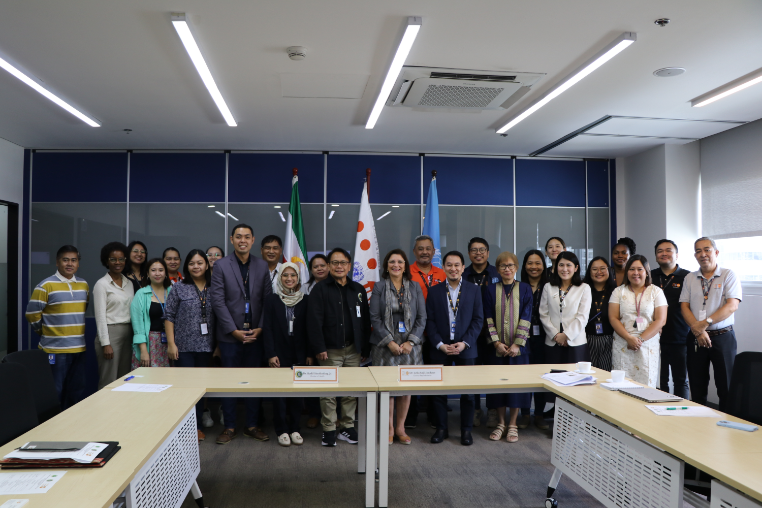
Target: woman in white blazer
(564, 312)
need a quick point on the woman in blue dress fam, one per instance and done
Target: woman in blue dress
(508, 311)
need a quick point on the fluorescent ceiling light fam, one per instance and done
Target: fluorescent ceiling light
(47, 93)
(183, 30)
(734, 86)
(276, 206)
(395, 206)
(384, 215)
(282, 217)
(413, 26)
(210, 206)
(334, 205)
(231, 216)
(220, 214)
(330, 216)
(609, 52)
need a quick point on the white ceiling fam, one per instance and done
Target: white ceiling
(122, 63)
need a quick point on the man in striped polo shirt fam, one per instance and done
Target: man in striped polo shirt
(56, 312)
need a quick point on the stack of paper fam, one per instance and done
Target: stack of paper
(618, 386)
(701, 411)
(85, 455)
(569, 379)
(140, 387)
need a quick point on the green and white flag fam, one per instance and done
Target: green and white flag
(295, 249)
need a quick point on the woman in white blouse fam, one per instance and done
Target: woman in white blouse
(112, 297)
(564, 310)
(637, 311)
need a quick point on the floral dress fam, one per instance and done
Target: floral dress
(642, 365)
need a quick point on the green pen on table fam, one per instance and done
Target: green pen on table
(675, 408)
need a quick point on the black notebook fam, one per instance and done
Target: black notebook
(100, 460)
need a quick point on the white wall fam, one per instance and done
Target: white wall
(12, 189)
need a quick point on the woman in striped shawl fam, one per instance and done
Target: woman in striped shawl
(508, 311)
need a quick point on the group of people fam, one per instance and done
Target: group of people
(257, 312)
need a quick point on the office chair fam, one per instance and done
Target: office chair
(40, 381)
(16, 402)
(745, 394)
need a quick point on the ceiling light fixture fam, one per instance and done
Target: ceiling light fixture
(276, 206)
(180, 22)
(413, 26)
(606, 54)
(734, 86)
(332, 212)
(232, 216)
(47, 93)
(384, 215)
(210, 206)
(334, 205)
(220, 213)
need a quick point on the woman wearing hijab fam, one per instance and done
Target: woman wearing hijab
(285, 341)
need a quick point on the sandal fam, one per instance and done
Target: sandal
(391, 439)
(404, 439)
(513, 434)
(497, 434)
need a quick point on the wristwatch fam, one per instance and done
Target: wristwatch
(709, 321)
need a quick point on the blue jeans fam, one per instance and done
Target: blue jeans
(238, 354)
(195, 359)
(69, 377)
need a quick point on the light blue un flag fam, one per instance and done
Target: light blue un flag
(431, 222)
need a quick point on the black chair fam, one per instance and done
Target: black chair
(745, 392)
(40, 381)
(16, 402)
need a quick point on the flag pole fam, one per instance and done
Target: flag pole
(295, 171)
(434, 173)
(367, 180)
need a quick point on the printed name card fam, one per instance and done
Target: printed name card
(316, 374)
(420, 373)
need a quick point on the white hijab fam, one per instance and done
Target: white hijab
(289, 296)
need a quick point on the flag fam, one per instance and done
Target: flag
(365, 270)
(431, 222)
(295, 249)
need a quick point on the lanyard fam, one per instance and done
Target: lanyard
(427, 279)
(481, 281)
(246, 282)
(638, 301)
(562, 297)
(599, 308)
(202, 297)
(661, 280)
(272, 277)
(157, 298)
(400, 294)
(706, 286)
(454, 308)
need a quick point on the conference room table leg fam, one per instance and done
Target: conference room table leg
(383, 450)
(362, 440)
(370, 449)
(196, 491)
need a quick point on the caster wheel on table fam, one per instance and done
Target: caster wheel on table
(551, 503)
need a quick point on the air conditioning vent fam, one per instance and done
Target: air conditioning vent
(456, 89)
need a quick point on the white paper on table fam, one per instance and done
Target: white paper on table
(14, 503)
(618, 386)
(28, 483)
(84, 456)
(691, 411)
(569, 379)
(140, 387)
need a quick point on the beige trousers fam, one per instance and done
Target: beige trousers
(346, 357)
(120, 338)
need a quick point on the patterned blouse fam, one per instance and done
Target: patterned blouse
(183, 309)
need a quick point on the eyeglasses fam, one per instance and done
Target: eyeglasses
(269, 249)
(509, 266)
(480, 250)
(215, 255)
(138, 251)
(117, 260)
(339, 263)
(599, 270)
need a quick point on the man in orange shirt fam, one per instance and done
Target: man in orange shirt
(427, 276)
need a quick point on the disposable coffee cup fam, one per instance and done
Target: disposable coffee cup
(584, 367)
(617, 376)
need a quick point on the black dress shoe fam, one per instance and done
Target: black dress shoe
(439, 436)
(465, 438)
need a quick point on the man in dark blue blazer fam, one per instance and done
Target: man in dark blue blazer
(454, 320)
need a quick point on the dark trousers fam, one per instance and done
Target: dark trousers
(195, 359)
(565, 354)
(466, 404)
(674, 356)
(536, 357)
(721, 355)
(313, 406)
(69, 377)
(425, 400)
(238, 354)
(287, 413)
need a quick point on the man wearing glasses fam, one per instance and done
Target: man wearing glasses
(338, 320)
(483, 274)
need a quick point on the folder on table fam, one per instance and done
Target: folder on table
(28, 463)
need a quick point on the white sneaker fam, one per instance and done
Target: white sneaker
(492, 419)
(296, 438)
(206, 419)
(284, 440)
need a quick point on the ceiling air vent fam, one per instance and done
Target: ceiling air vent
(456, 89)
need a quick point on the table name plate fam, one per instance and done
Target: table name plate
(420, 373)
(316, 374)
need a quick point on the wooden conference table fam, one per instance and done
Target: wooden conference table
(150, 426)
(732, 456)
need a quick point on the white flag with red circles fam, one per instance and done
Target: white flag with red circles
(366, 259)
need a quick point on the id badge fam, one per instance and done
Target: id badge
(535, 330)
(290, 326)
(452, 327)
(401, 327)
(204, 329)
(246, 307)
(599, 328)
(358, 310)
(163, 337)
(640, 323)
(702, 314)
(52, 358)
